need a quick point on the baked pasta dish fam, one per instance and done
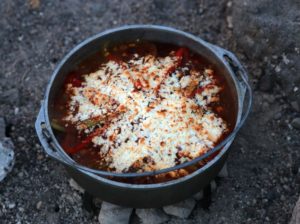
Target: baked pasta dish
(142, 107)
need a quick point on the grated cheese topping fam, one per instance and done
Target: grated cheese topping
(157, 113)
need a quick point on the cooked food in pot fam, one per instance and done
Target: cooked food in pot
(142, 107)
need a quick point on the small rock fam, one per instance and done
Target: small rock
(21, 174)
(285, 59)
(34, 4)
(16, 110)
(277, 115)
(182, 209)
(39, 205)
(152, 216)
(21, 139)
(11, 205)
(224, 172)
(21, 209)
(40, 157)
(7, 158)
(229, 4)
(296, 123)
(286, 187)
(2, 128)
(296, 106)
(10, 97)
(296, 214)
(213, 186)
(198, 196)
(229, 22)
(76, 186)
(113, 214)
(258, 72)
(277, 69)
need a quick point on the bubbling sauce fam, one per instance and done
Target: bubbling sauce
(143, 106)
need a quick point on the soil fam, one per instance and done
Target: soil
(264, 176)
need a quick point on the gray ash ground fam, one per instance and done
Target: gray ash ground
(264, 178)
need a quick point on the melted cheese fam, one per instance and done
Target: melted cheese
(160, 124)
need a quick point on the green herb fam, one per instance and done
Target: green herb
(56, 126)
(91, 122)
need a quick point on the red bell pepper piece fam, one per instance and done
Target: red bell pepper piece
(184, 54)
(84, 142)
(137, 85)
(199, 90)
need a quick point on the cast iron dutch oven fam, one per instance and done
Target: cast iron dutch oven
(98, 182)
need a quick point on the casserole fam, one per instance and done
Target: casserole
(119, 188)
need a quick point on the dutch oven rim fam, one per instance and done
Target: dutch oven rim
(218, 53)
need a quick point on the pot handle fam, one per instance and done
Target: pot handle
(45, 137)
(240, 73)
(231, 60)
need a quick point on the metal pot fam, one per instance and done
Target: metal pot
(146, 195)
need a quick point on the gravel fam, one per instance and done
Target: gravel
(262, 159)
(296, 123)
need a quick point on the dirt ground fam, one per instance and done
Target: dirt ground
(264, 176)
